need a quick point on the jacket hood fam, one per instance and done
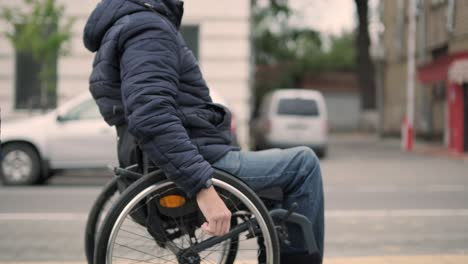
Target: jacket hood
(107, 12)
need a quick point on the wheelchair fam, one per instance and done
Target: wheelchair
(146, 218)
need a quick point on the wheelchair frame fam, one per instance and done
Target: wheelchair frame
(280, 216)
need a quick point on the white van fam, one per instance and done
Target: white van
(292, 117)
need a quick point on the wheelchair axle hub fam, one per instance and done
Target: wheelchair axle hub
(188, 257)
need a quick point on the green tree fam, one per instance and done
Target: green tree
(39, 28)
(342, 53)
(271, 32)
(278, 45)
(293, 52)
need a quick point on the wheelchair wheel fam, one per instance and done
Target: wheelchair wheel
(96, 216)
(173, 234)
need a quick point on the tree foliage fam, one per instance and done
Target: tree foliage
(293, 50)
(38, 28)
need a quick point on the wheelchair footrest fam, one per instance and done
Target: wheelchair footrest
(282, 215)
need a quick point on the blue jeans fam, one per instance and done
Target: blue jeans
(296, 171)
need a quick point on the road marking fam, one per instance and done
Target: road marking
(43, 216)
(396, 188)
(397, 213)
(330, 214)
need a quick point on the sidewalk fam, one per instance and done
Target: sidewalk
(435, 149)
(444, 259)
(432, 149)
(436, 259)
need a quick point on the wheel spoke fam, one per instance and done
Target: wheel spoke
(143, 252)
(137, 260)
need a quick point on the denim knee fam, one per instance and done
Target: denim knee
(310, 164)
(303, 162)
(308, 156)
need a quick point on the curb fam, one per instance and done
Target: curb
(440, 152)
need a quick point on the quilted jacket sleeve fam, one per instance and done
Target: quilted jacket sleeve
(150, 79)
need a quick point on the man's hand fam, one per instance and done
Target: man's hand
(214, 210)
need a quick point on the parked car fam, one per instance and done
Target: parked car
(74, 136)
(292, 117)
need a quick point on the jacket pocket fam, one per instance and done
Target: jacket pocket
(210, 116)
(223, 115)
(197, 118)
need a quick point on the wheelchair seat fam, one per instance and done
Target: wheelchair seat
(274, 194)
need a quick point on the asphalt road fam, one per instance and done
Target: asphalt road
(379, 202)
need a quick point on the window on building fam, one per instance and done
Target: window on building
(451, 16)
(400, 30)
(437, 3)
(421, 31)
(439, 52)
(191, 36)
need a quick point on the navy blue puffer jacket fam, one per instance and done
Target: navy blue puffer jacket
(145, 76)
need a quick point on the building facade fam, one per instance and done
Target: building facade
(217, 31)
(341, 92)
(441, 41)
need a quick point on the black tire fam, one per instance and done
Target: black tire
(24, 153)
(146, 182)
(96, 214)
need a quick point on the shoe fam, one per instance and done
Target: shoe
(301, 259)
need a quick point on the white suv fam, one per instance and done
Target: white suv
(72, 137)
(292, 117)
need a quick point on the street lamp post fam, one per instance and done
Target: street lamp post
(408, 124)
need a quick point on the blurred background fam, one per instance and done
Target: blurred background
(378, 88)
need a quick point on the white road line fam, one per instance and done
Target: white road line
(397, 188)
(396, 213)
(43, 216)
(330, 214)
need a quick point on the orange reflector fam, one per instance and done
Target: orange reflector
(172, 201)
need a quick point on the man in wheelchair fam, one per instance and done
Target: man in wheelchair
(148, 84)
